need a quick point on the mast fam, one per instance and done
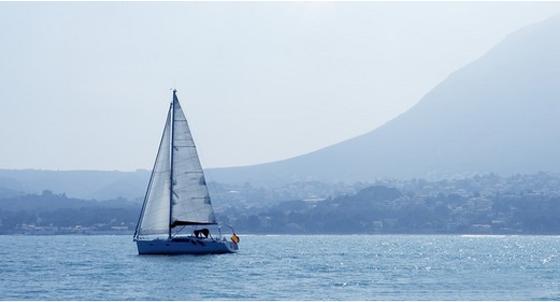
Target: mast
(171, 165)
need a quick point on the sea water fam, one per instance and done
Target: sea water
(365, 267)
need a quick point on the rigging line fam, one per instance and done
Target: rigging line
(171, 162)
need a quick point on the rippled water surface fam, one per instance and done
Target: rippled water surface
(285, 267)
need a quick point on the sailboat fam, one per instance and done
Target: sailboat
(177, 198)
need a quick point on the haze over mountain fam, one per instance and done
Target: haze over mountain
(100, 185)
(499, 114)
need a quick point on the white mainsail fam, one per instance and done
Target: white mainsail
(177, 193)
(190, 199)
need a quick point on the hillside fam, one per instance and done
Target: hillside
(498, 114)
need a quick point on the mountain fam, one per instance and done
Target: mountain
(100, 185)
(498, 114)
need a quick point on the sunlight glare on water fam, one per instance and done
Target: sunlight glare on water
(286, 267)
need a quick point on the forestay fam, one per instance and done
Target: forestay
(154, 218)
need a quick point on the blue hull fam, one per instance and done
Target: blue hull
(185, 245)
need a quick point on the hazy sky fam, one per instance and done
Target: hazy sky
(86, 85)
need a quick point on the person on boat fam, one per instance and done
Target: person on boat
(234, 238)
(202, 232)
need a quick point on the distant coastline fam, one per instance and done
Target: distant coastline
(481, 204)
